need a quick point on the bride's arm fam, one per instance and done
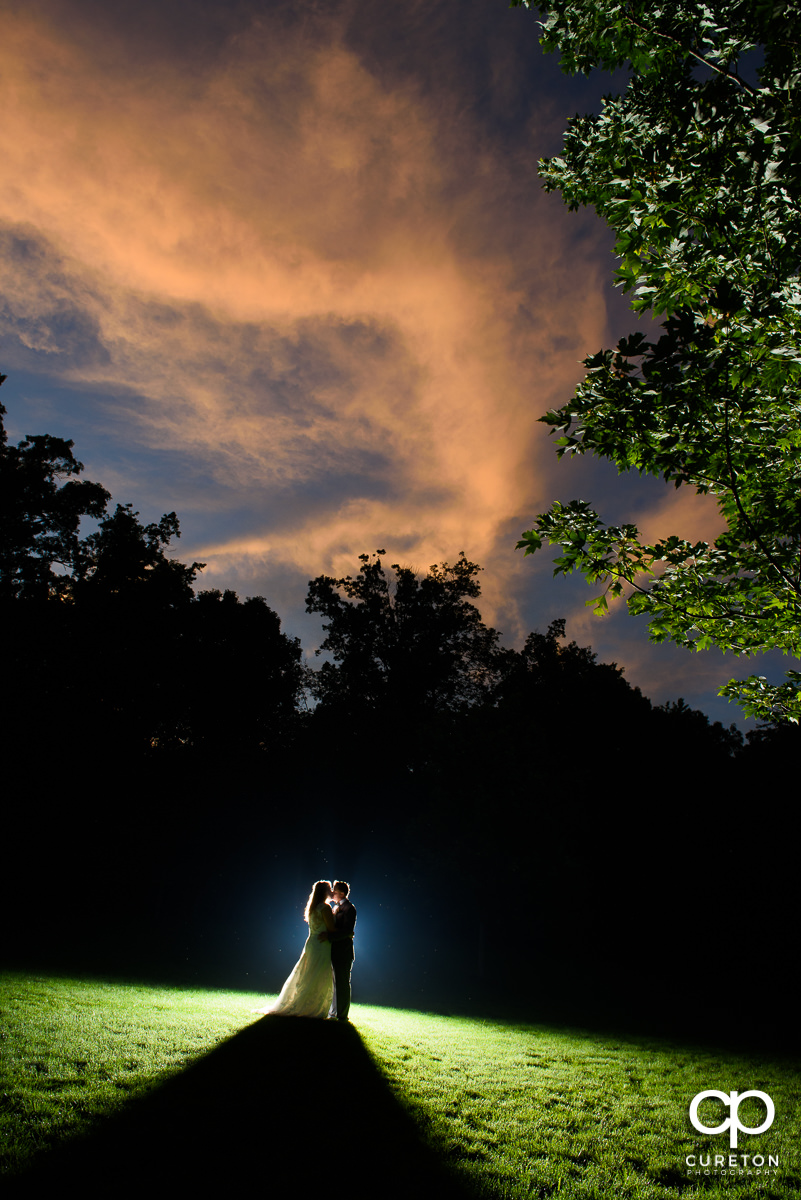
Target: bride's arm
(328, 917)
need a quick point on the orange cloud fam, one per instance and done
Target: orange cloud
(324, 289)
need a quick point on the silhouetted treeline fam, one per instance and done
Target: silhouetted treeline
(165, 730)
(110, 651)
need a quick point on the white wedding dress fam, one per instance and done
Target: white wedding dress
(310, 987)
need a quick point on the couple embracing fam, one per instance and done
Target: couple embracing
(319, 985)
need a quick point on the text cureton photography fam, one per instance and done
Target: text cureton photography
(732, 1164)
(740, 1164)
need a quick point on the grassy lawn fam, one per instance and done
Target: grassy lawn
(514, 1110)
(532, 1111)
(72, 1052)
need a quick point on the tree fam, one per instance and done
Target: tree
(407, 648)
(109, 650)
(124, 562)
(40, 515)
(42, 553)
(237, 677)
(697, 170)
(555, 693)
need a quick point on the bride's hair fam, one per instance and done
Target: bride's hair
(318, 893)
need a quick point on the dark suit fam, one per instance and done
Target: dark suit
(342, 956)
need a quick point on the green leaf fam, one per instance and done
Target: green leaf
(698, 177)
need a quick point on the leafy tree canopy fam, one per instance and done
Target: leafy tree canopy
(40, 514)
(108, 645)
(405, 645)
(235, 677)
(42, 553)
(126, 561)
(697, 170)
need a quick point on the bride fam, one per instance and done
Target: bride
(309, 989)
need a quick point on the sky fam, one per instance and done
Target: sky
(287, 269)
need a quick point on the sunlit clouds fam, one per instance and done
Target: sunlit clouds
(327, 296)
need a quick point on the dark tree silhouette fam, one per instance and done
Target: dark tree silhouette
(404, 650)
(109, 651)
(124, 562)
(40, 515)
(239, 678)
(551, 678)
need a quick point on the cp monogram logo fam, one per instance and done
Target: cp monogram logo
(732, 1123)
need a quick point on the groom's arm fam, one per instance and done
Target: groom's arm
(345, 923)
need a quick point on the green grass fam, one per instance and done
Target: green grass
(532, 1111)
(515, 1110)
(73, 1052)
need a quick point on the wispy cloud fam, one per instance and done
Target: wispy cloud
(312, 265)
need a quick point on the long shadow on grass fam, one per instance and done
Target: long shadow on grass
(288, 1102)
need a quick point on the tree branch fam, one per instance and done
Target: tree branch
(732, 75)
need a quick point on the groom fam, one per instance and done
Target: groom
(341, 948)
